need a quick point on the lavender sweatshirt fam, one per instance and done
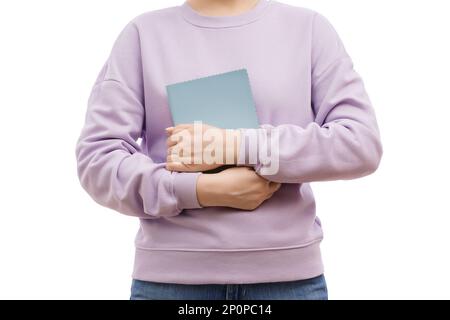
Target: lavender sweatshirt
(304, 87)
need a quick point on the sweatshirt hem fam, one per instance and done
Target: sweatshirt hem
(228, 267)
(306, 244)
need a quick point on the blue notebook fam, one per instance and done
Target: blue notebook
(223, 100)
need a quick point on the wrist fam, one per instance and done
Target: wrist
(232, 146)
(207, 195)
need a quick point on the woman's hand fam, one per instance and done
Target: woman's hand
(201, 147)
(238, 187)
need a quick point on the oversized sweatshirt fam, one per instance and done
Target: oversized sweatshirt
(305, 89)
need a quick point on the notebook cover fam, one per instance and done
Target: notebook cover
(223, 100)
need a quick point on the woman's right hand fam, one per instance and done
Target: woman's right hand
(237, 187)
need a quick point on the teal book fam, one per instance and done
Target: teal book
(223, 100)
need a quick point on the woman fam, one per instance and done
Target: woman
(244, 232)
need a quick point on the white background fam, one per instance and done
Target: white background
(387, 236)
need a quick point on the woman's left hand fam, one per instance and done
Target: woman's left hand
(201, 147)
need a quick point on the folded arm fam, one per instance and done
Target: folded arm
(342, 141)
(111, 165)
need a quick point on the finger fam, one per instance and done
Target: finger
(176, 149)
(171, 141)
(176, 133)
(172, 158)
(182, 167)
(169, 130)
(172, 131)
(269, 196)
(178, 157)
(182, 127)
(274, 186)
(175, 166)
(182, 134)
(182, 151)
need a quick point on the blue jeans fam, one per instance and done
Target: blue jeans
(309, 289)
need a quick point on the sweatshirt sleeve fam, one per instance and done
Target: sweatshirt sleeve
(111, 165)
(341, 143)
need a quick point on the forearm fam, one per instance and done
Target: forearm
(240, 188)
(133, 184)
(342, 141)
(208, 194)
(112, 167)
(339, 150)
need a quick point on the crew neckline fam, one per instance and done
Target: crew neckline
(194, 17)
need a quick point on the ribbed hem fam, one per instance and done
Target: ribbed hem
(185, 190)
(228, 267)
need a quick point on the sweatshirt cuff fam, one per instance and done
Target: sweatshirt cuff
(185, 190)
(249, 148)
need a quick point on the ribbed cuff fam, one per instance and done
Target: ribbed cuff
(185, 190)
(256, 145)
(249, 148)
